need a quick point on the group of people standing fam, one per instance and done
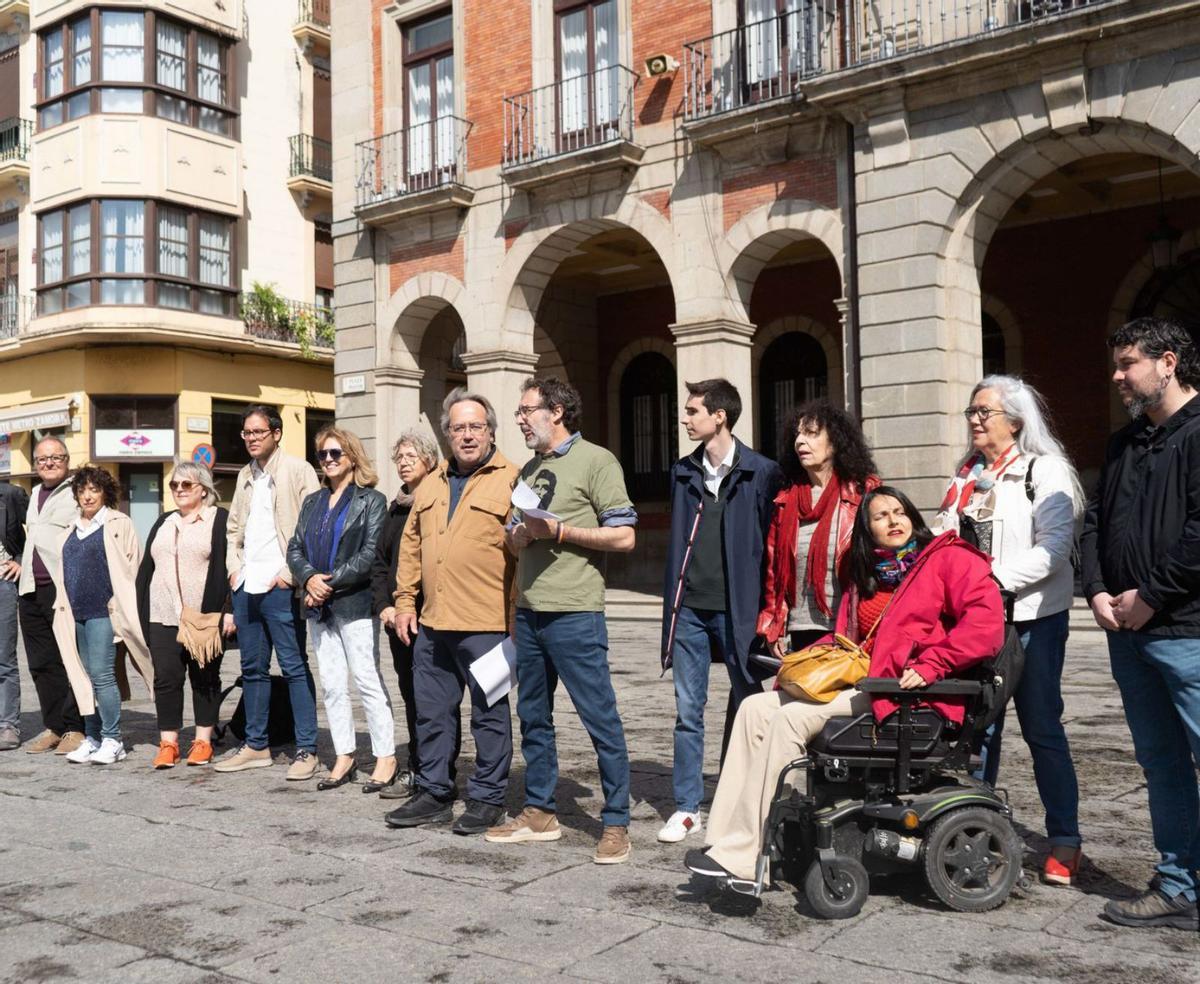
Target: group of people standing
(765, 558)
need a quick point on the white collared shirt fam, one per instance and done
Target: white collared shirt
(714, 476)
(86, 527)
(263, 556)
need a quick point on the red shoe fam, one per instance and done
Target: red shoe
(168, 755)
(1056, 872)
(200, 753)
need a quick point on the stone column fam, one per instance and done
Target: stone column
(498, 375)
(717, 348)
(397, 408)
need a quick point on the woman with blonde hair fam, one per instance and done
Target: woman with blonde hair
(330, 556)
(183, 568)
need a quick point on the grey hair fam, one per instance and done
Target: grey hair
(1026, 407)
(57, 440)
(420, 441)
(460, 394)
(190, 471)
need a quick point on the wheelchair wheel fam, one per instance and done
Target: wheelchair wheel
(972, 859)
(848, 894)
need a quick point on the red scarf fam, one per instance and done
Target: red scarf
(799, 509)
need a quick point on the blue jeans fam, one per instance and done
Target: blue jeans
(1159, 680)
(696, 631)
(573, 646)
(1039, 706)
(98, 652)
(263, 621)
(10, 672)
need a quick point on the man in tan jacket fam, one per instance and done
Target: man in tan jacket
(262, 518)
(453, 553)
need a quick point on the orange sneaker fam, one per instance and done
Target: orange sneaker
(200, 753)
(1056, 872)
(168, 755)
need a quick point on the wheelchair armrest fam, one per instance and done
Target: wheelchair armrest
(888, 687)
(772, 663)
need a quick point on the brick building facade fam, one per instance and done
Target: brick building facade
(806, 196)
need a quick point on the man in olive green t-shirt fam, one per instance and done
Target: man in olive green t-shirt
(560, 628)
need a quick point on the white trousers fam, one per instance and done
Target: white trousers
(771, 729)
(352, 647)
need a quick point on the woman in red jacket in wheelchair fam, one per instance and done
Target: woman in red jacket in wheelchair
(935, 611)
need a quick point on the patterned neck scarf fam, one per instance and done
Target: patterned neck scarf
(892, 565)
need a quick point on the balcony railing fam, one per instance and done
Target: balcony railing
(772, 58)
(16, 310)
(569, 115)
(419, 158)
(16, 135)
(311, 157)
(280, 319)
(313, 12)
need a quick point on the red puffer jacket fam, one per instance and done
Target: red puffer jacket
(779, 587)
(946, 617)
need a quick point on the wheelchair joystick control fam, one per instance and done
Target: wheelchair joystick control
(889, 844)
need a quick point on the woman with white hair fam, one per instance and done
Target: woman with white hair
(183, 571)
(1016, 496)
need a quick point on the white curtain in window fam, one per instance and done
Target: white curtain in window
(572, 71)
(803, 34)
(762, 41)
(214, 251)
(122, 291)
(52, 56)
(172, 242)
(607, 93)
(122, 237)
(445, 113)
(210, 79)
(81, 240)
(172, 56)
(82, 30)
(420, 106)
(52, 247)
(122, 35)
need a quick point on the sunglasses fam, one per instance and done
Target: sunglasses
(330, 454)
(182, 486)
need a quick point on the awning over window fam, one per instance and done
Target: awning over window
(36, 416)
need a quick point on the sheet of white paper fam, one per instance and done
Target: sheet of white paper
(525, 499)
(496, 670)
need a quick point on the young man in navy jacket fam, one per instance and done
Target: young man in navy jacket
(721, 502)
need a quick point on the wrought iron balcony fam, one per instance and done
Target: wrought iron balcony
(312, 24)
(16, 311)
(411, 170)
(773, 58)
(16, 137)
(313, 12)
(280, 319)
(572, 116)
(311, 157)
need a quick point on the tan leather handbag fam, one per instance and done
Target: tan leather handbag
(823, 670)
(199, 632)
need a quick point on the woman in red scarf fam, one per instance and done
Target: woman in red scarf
(829, 468)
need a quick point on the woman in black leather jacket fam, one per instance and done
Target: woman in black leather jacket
(330, 557)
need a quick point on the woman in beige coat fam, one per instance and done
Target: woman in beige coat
(95, 609)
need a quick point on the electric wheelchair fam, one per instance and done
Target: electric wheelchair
(898, 797)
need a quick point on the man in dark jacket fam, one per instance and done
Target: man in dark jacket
(721, 501)
(13, 503)
(1141, 573)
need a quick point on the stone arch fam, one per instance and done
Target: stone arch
(830, 345)
(759, 236)
(620, 363)
(537, 252)
(1010, 328)
(409, 312)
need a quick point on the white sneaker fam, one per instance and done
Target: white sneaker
(110, 751)
(87, 748)
(679, 826)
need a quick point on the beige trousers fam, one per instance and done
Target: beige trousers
(771, 729)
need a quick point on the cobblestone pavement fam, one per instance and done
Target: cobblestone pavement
(126, 874)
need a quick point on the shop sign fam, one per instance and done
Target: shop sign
(125, 443)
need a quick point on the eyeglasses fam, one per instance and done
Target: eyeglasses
(330, 454)
(523, 411)
(474, 427)
(181, 486)
(983, 413)
(407, 459)
(50, 459)
(255, 435)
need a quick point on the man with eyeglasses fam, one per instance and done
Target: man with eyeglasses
(561, 631)
(262, 519)
(452, 553)
(51, 511)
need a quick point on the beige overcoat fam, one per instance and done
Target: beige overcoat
(123, 551)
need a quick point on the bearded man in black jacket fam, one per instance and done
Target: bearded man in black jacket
(1141, 573)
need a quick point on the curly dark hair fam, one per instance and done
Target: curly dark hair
(98, 478)
(557, 392)
(1155, 337)
(861, 556)
(852, 460)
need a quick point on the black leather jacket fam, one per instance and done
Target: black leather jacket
(351, 575)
